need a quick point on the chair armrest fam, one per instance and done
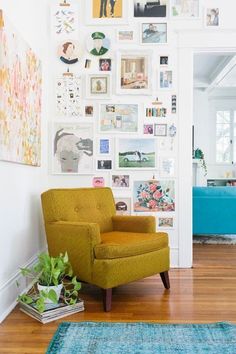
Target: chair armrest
(146, 224)
(78, 240)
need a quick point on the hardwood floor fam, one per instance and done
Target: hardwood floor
(205, 293)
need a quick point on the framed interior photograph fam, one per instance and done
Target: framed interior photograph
(166, 79)
(123, 206)
(119, 181)
(212, 17)
(73, 148)
(104, 146)
(165, 222)
(153, 33)
(134, 73)
(145, 8)
(118, 118)
(185, 9)
(154, 196)
(106, 12)
(126, 35)
(136, 153)
(160, 129)
(98, 86)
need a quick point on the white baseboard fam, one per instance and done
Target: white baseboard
(174, 258)
(9, 290)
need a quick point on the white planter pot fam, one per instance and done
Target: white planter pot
(56, 288)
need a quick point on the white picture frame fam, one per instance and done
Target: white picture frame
(165, 79)
(191, 9)
(93, 13)
(167, 166)
(209, 19)
(120, 181)
(119, 118)
(92, 86)
(142, 9)
(135, 82)
(136, 153)
(165, 222)
(150, 33)
(127, 32)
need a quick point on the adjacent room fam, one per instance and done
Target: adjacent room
(118, 176)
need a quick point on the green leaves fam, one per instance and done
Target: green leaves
(25, 298)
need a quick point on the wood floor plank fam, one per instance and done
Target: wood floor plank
(203, 294)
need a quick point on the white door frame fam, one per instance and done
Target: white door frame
(190, 42)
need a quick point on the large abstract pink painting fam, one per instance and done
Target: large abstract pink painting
(20, 98)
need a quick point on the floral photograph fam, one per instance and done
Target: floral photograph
(154, 196)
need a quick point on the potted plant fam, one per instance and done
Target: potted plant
(52, 279)
(199, 154)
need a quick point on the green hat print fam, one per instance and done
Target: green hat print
(98, 35)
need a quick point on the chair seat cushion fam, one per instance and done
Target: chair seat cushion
(122, 244)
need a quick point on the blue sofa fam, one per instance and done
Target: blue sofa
(214, 210)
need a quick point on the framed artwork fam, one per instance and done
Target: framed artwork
(160, 129)
(166, 79)
(120, 181)
(104, 146)
(212, 17)
(64, 19)
(20, 98)
(89, 111)
(106, 12)
(98, 86)
(173, 104)
(172, 130)
(136, 153)
(69, 52)
(185, 9)
(148, 129)
(134, 73)
(118, 118)
(167, 167)
(167, 144)
(73, 148)
(166, 222)
(105, 64)
(153, 33)
(123, 206)
(126, 35)
(155, 110)
(145, 8)
(98, 44)
(98, 182)
(104, 164)
(164, 60)
(68, 96)
(154, 196)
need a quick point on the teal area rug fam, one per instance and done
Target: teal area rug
(143, 338)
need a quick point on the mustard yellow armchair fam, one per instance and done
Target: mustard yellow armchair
(105, 249)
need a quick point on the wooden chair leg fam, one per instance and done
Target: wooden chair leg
(107, 297)
(165, 279)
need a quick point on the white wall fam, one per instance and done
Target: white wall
(21, 231)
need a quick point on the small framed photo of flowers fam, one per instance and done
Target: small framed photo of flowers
(154, 196)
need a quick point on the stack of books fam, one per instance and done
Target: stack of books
(53, 311)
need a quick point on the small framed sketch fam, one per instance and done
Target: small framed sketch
(73, 149)
(98, 182)
(103, 12)
(164, 60)
(165, 222)
(148, 129)
(154, 196)
(134, 73)
(123, 206)
(185, 9)
(120, 181)
(136, 153)
(212, 17)
(104, 146)
(126, 35)
(118, 118)
(105, 64)
(160, 129)
(98, 86)
(153, 33)
(166, 79)
(167, 144)
(104, 164)
(147, 8)
(167, 167)
(64, 19)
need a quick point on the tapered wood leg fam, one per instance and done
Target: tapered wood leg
(165, 279)
(107, 297)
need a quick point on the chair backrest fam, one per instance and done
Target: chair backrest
(95, 205)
